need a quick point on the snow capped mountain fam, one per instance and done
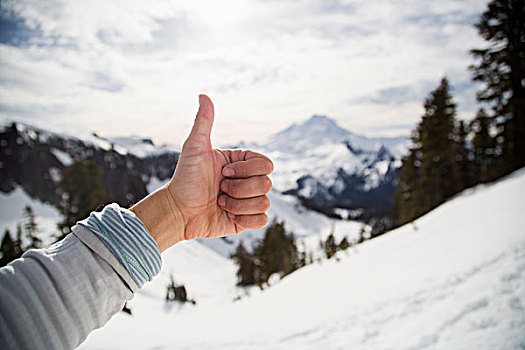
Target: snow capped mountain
(321, 130)
(453, 279)
(330, 168)
(34, 159)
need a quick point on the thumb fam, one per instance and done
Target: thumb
(201, 131)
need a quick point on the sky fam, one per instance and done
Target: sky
(120, 67)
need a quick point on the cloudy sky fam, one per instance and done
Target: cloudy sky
(121, 67)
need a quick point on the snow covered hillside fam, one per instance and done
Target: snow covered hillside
(454, 279)
(307, 226)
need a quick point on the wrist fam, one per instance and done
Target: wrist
(161, 216)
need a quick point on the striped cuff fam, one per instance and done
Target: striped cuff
(128, 239)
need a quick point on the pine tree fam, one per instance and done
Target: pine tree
(8, 249)
(501, 69)
(483, 148)
(277, 253)
(463, 157)
(407, 203)
(247, 269)
(31, 229)
(363, 234)
(19, 243)
(329, 246)
(438, 151)
(344, 244)
(82, 192)
(437, 166)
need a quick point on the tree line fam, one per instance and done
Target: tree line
(278, 253)
(449, 155)
(27, 237)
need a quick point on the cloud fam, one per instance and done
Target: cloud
(119, 66)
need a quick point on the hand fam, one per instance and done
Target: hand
(213, 193)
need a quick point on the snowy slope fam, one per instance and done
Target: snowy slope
(12, 213)
(300, 221)
(455, 279)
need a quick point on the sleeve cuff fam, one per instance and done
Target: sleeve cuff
(126, 237)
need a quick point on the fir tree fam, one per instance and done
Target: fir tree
(276, 253)
(483, 148)
(501, 69)
(8, 249)
(463, 157)
(246, 271)
(176, 292)
(406, 202)
(82, 192)
(31, 229)
(362, 235)
(19, 243)
(344, 244)
(329, 246)
(437, 149)
(437, 166)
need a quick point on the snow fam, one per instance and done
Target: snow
(454, 279)
(138, 146)
(306, 225)
(12, 212)
(155, 183)
(62, 157)
(320, 148)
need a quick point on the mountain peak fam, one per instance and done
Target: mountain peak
(317, 118)
(320, 121)
(318, 129)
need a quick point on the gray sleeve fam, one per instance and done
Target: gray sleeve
(53, 298)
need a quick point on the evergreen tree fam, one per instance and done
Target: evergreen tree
(463, 157)
(438, 151)
(437, 166)
(344, 244)
(176, 292)
(247, 269)
(329, 246)
(483, 148)
(8, 249)
(380, 225)
(18, 243)
(363, 234)
(406, 203)
(277, 253)
(82, 192)
(31, 229)
(501, 69)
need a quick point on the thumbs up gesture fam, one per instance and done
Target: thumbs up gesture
(213, 193)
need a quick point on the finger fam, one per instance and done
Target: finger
(246, 168)
(251, 222)
(247, 206)
(201, 131)
(246, 188)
